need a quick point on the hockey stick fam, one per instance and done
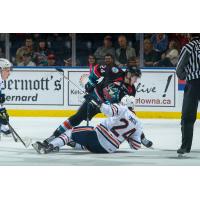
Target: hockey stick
(14, 137)
(88, 107)
(61, 73)
(4, 117)
(14, 134)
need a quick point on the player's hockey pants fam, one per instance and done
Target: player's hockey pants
(87, 136)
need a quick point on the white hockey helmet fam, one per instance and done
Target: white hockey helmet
(4, 64)
(128, 101)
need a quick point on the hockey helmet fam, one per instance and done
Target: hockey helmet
(133, 71)
(4, 64)
(131, 75)
(128, 101)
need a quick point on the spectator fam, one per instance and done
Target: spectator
(150, 55)
(92, 62)
(133, 62)
(42, 47)
(28, 48)
(109, 60)
(102, 51)
(40, 56)
(40, 59)
(2, 55)
(124, 52)
(51, 60)
(36, 37)
(170, 58)
(26, 60)
(181, 38)
(160, 42)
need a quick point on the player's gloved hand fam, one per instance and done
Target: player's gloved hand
(4, 117)
(95, 102)
(87, 97)
(2, 98)
(89, 87)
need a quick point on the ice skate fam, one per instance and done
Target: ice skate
(44, 149)
(147, 143)
(6, 133)
(181, 152)
(50, 148)
(39, 147)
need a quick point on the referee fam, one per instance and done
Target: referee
(188, 68)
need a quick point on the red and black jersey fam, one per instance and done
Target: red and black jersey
(113, 79)
(110, 74)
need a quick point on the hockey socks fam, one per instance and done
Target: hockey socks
(65, 126)
(60, 130)
(62, 140)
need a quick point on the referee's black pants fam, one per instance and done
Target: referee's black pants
(189, 112)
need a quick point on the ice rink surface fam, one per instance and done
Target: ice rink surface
(165, 135)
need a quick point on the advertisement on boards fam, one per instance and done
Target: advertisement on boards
(33, 87)
(154, 89)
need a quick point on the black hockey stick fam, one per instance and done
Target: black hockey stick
(16, 136)
(88, 107)
(5, 118)
(61, 73)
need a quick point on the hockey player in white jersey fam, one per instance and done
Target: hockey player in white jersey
(121, 125)
(5, 68)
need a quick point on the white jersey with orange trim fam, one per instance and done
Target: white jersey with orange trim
(3, 127)
(121, 125)
(1, 89)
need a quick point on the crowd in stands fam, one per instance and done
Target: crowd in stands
(160, 49)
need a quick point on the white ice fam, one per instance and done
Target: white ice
(165, 135)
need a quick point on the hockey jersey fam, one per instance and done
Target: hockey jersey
(1, 84)
(1, 89)
(121, 125)
(113, 79)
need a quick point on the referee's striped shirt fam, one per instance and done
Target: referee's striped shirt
(188, 66)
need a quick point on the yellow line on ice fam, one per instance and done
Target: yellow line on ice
(67, 113)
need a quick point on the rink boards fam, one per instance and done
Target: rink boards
(43, 91)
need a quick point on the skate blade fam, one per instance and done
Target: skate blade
(7, 135)
(36, 147)
(182, 156)
(152, 148)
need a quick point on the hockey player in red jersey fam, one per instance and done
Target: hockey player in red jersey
(121, 125)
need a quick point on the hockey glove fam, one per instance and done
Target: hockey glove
(87, 97)
(2, 98)
(89, 87)
(95, 102)
(4, 117)
(90, 99)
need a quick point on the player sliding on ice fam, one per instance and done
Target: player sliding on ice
(121, 124)
(5, 68)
